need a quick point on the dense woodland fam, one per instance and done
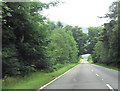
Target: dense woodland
(31, 42)
(105, 44)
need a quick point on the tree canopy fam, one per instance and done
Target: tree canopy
(105, 49)
(31, 42)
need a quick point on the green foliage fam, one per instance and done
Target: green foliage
(108, 66)
(113, 11)
(57, 66)
(93, 37)
(80, 38)
(34, 79)
(62, 47)
(24, 37)
(106, 48)
(10, 62)
(31, 42)
(90, 59)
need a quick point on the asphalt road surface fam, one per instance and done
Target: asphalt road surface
(86, 76)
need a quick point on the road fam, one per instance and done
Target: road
(86, 76)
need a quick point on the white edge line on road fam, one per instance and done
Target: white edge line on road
(53, 80)
(105, 67)
(97, 75)
(110, 87)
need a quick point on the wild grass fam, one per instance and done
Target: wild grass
(108, 66)
(34, 80)
(103, 65)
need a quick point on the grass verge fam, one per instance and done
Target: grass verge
(103, 65)
(108, 66)
(36, 79)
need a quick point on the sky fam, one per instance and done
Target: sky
(82, 13)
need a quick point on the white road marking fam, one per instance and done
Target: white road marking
(97, 75)
(53, 80)
(102, 79)
(91, 70)
(110, 87)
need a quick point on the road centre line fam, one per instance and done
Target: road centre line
(64, 74)
(106, 84)
(110, 87)
(97, 74)
(91, 70)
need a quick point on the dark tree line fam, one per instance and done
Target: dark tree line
(31, 42)
(104, 43)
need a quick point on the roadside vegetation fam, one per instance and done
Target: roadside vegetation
(103, 65)
(89, 59)
(35, 50)
(35, 79)
(104, 45)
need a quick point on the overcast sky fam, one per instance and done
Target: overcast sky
(82, 13)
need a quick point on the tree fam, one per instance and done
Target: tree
(80, 38)
(106, 51)
(24, 37)
(62, 47)
(93, 37)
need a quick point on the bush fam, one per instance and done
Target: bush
(90, 59)
(10, 61)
